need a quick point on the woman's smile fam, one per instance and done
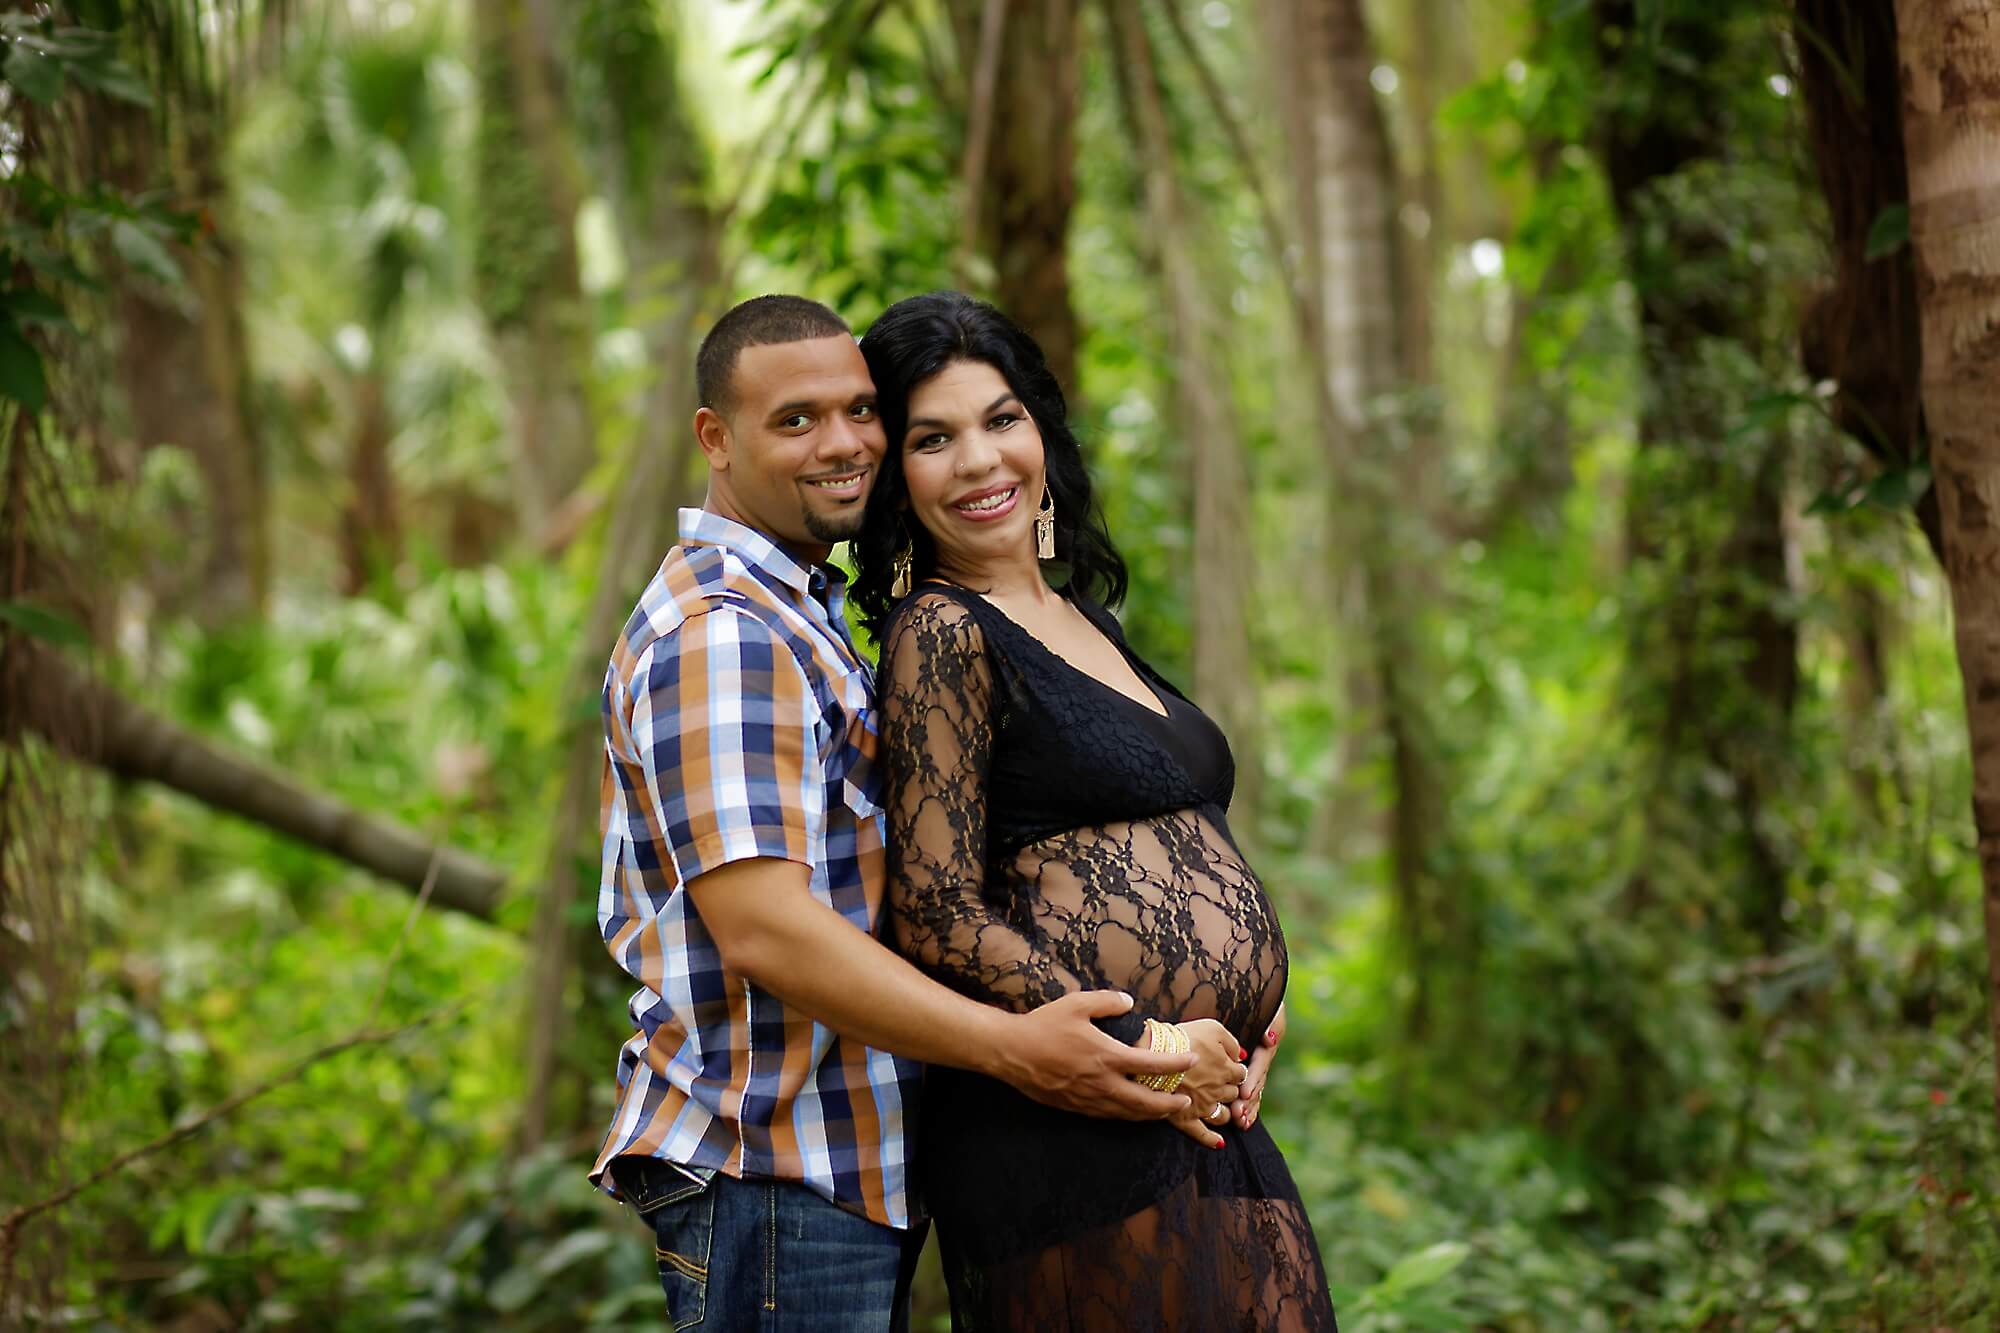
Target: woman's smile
(994, 502)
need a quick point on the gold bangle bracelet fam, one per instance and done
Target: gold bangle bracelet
(1163, 1037)
(1168, 1037)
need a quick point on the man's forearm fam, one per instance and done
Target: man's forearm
(815, 960)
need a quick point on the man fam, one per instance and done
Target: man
(763, 1123)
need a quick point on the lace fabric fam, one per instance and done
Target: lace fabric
(1049, 834)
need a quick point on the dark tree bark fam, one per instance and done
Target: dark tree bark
(1861, 332)
(1029, 186)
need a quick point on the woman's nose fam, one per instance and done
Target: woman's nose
(976, 454)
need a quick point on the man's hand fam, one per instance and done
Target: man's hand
(1250, 1100)
(1057, 1056)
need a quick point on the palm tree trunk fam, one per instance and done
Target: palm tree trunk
(370, 532)
(1224, 679)
(525, 264)
(1950, 56)
(185, 373)
(670, 229)
(1346, 205)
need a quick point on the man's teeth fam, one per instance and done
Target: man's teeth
(836, 483)
(991, 501)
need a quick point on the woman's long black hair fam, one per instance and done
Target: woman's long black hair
(914, 340)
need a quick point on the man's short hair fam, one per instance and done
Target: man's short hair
(758, 322)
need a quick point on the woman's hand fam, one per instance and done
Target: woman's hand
(1213, 1084)
(1250, 1099)
(1218, 1071)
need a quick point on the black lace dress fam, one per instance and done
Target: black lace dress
(1048, 834)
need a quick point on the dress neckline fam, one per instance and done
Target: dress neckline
(1164, 711)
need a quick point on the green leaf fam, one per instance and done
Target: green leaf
(1898, 488)
(113, 78)
(39, 77)
(1889, 232)
(29, 306)
(1837, 501)
(1769, 410)
(44, 624)
(143, 251)
(21, 377)
(1426, 1266)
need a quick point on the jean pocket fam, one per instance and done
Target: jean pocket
(683, 1227)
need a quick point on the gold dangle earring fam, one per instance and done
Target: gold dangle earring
(899, 569)
(1045, 525)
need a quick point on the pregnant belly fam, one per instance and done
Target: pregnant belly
(1165, 908)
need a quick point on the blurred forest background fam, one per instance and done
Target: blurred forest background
(1512, 411)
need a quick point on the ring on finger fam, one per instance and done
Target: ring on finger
(1219, 1113)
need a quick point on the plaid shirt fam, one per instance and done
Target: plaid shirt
(739, 723)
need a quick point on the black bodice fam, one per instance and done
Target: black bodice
(1048, 833)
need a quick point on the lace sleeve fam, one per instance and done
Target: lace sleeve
(937, 709)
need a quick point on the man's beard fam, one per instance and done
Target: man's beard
(832, 528)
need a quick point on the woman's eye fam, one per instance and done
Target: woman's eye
(928, 441)
(1003, 421)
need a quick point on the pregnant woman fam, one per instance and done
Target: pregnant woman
(1058, 821)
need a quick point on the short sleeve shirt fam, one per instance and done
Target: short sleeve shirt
(739, 723)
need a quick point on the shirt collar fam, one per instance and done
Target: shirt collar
(699, 527)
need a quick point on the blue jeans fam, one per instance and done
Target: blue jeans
(769, 1255)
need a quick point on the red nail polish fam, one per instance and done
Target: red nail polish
(1217, 1145)
(1270, 1036)
(1242, 1054)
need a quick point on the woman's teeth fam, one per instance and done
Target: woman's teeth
(990, 502)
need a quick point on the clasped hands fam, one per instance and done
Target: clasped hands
(1067, 1062)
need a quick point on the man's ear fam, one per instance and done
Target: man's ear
(711, 432)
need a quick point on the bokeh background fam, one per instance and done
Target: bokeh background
(1509, 409)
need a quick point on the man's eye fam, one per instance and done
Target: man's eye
(796, 421)
(864, 412)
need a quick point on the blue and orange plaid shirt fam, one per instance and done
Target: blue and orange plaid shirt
(738, 723)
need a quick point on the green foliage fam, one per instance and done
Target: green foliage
(1632, 1113)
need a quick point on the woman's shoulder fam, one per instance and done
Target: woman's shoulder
(935, 617)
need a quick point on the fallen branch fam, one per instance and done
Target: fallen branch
(133, 742)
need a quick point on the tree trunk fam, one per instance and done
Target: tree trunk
(1224, 679)
(669, 228)
(1714, 670)
(370, 533)
(1029, 190)
(1861, 332)
(525, 265)
(1347, 209)
(1950, 56)
(184, 364)
(128, 741)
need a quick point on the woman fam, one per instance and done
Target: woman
(1057, 822)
